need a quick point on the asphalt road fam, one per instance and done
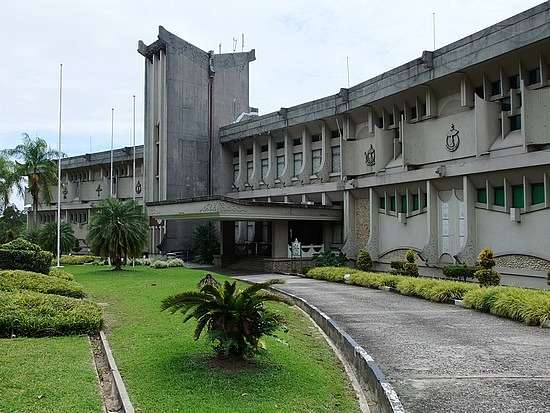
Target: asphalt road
(439, 357)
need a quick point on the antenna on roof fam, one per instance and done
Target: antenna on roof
(234, 45)
(347, 65)
(90, 144)
(433, 24)
(220, 46)
(242, 42)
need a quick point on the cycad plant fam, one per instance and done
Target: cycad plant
(47, 237)
(118, 229)
(235, 319)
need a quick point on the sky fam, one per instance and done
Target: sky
(301, 52)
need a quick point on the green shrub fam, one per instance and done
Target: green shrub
(397, 265)
(486, 275)
(59, 273)
(159, 264)
(12, 280)
(330, 273)
(374, 280)
(175, 262)
(364, 262)
(329, 259)
(407, 267)
(205, 243)
(35, 261)
(32, 314)
(548, 278)
(48, 237)
(463, 272)
(410, 256)
(77, 259)
(21, 244)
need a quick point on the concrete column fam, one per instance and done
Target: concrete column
(279, 239)
(327, 235)
(430, 251)
(374, 224)
(326, 157)
(256, 162)
(468, 254)
(241, 178)
(228, 238)
(272, 162)
(306, 156)
(286, 177)
(350, 247)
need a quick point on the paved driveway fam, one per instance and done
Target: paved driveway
(439, 357)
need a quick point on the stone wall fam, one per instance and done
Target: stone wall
(522, 262)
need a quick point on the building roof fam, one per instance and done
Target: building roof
(103, 157)
(521, 30)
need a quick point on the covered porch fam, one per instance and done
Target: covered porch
(273, 234)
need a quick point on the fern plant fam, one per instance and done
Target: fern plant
(235, 319)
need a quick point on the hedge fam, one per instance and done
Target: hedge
(459, 271)
(59, 273)
(21, 244)
(330, 273)
(35, 261)
(12, 280)
(32, 314)
(77, 259)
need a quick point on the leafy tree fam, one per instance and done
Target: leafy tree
(205, 243)
(47, 237)
(12, 224)
(235, 319)
(36, 161)
(118, 229)
(9, 180)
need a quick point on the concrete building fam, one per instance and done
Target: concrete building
(86, 182)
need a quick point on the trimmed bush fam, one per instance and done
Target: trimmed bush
(175, 262)
(407, 267)
(21, 244)
(463, 272)
(374, 280)
(35, 261)
(486, 275)
(77, 259)
(159, 264)
(59, 273)
(25, 280)
(364, 261)
(330, 273)
(329, 259)
(32, 314)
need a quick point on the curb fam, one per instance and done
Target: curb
(118, 384)
(365, 368)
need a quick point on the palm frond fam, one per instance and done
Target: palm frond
(254, 288)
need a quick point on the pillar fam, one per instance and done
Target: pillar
(279, 239)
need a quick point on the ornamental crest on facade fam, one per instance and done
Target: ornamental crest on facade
(453, 139)
(370, 156)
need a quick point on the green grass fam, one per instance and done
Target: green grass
(166, 371)
(43, 375)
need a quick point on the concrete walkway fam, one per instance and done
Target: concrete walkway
(439, 357)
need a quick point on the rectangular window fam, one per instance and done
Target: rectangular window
(265, 165)
(382, 202)
(315, 138)
(280, 165)
(515, 122)
(392, 203)
(482, 195)
(390, 119)
(404, 203)
(236, 154)
(514, 81)
(413, 112)
(249, 170)
(264, 148)
(415, 203)
(533, 76)
(518, 199)
(537, 194)
(479, 91)
(495, 88)
(297, 141)
(249, 151)
(235, 172)
(505, 104)
(297, 163)
(423, 109)
(334, 134)
(335, 154)
(498, 193)
(315, 161)
(280, 145)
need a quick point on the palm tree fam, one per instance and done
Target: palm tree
(235, 319)
(37, 163)
(12, 224)
(47, 237)
(118, 229)
(9, 180)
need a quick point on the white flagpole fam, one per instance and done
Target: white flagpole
(112, 143)
(59, 170)
(134, 138)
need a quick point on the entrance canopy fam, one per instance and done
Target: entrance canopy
(218, 208)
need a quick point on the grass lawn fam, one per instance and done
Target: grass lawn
(52, 374)
(166, 371)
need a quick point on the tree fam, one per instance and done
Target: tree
(235, 319)
(47, 237)
(12, 224)
(205, 243)
(9, 180)
(118, 229)
(36, 161)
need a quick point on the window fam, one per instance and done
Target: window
(334, 134)
(392, 203)
(264, 148)
(280, 165)
(297, 163)
(265, 165)
(235, 172)
(382, 202)
(335, 155)
(479, 91)
(236, 154)
(533, 76)
(297, 141)
(537, 194)
(249, 170)
(413, 112)
(515, 122)
(505, 105)
(249, 151)
(403, 203)
(390, 119)
(495, 88)
(424, 200)
(280, 145)
(315, 160)
(482, 195)
(518, 199)
(498, 193)
(514, 81)
(315, 138)
(415, 203)
(423, 109)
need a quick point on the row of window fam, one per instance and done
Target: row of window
(78, 217)
(297, 163)
(533, 78)
(518, 195)
(403, 204)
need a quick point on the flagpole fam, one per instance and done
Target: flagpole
(59, 170)
(134, 143)
(112, 143)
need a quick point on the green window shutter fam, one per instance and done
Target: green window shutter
(537, 194)
(392, 203)
(382, 202)
(482, 196)
(404, 203)
(415, 202)
(499, 195)
(518, 196)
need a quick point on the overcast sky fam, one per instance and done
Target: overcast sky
(301, 49)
